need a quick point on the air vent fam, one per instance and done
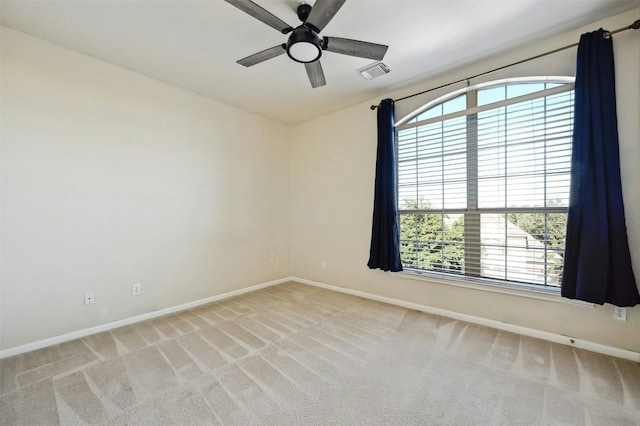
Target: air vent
(374, 70)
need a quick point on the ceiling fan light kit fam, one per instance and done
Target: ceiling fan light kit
(304, 44)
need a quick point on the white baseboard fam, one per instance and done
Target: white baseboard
(127, 321)
(525, 331)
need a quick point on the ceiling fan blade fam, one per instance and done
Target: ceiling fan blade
(322, 12)
(361, 49)
(256, 58)
(261, 14)
(315, 74)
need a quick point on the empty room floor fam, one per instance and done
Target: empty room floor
(297, 354)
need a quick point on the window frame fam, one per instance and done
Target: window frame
(544, 291)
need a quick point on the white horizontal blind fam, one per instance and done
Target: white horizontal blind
(483, 190)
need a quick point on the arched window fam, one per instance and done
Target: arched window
(483, 182)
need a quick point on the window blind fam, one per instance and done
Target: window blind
(483, 184)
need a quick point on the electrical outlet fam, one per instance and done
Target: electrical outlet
(620, 313)
(89, 298)
(323, 264)
(137, 289)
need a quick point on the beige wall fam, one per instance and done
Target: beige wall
(333, 161)
(110, 178)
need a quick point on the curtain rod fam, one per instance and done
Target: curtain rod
(634, 26)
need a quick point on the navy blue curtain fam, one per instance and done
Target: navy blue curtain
(385, 233)
(597, 264)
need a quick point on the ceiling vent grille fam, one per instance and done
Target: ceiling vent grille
(374, 70)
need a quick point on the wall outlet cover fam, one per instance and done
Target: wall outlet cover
(620, 313)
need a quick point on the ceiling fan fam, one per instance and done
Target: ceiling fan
(305, 45)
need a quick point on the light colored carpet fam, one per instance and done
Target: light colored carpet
(295, 354)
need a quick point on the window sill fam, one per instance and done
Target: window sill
(530, 291)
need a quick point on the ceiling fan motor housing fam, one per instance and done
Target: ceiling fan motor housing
(304, 45)
(303, 12)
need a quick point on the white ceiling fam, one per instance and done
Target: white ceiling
(195, 44)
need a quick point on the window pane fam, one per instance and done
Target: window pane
(459, 103)
(436, 111)
(432, 242)
(518, 146)
(432, 162)
(515, 90)
(491, 95)
(540, 260)
(454, 105)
